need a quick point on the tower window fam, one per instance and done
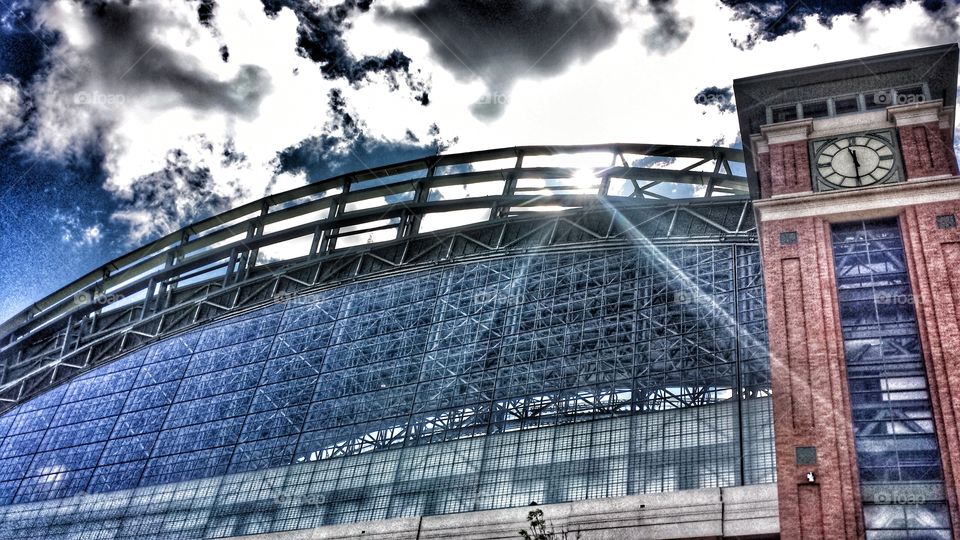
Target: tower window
(815, 109)
(785, 113)
(846, 105)
(912, 94)
(881, 99)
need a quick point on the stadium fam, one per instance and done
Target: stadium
(429, 348)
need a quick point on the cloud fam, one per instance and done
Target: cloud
(11, 106)
(186, 125)
(501, 42)
(770, 20)
(184, 190)
(320, 38)
(721, 97)
(670, 31)
(137, 83)
(74, 232)
(206, 12)
(114, 55)
(346, 146)
(128, 51)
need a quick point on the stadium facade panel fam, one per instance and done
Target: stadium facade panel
(543, 378)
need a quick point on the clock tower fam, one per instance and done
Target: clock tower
(857, 196)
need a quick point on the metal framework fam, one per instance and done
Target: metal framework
(372, 223)
(656, 353)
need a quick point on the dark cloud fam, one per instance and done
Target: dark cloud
(340, 118)
(128, 59)
(179, 193)
(206, 11)
(722, 98)
(500, 42)
(326, 156)
(230, 155)
(344, 146)
(772, 19)
(320, 38)
(490, 106)
(671, 30)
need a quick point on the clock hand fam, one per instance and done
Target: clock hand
(856, 164)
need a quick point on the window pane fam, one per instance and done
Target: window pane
(815, 109)
(893, 428)
(784, 113)
(846, 105)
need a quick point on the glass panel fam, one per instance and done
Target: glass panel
(548, 377)
(785, 113)
(892, 420)
(846, 105)
(881, 99)
(911, 94)
(815, 109)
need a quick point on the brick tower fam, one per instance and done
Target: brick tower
(857, 196)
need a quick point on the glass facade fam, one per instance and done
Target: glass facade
(549, 377)
(897, 452)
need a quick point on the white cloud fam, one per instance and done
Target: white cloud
(629, 94)
(74, 232)
(624, 93)
(91, 235)
(89, 96)
(11, 106)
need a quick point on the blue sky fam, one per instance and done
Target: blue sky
(122, 120)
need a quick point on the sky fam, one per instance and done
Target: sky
(124, 120)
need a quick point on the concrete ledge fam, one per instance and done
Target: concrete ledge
(736, 512)
(858, 203)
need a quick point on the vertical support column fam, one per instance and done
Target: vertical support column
(255, 232)
(924, 129)
(161, 296)
(816, 463)
(931, 241)
(411, 225)
(787, 166)
(509, 187)
(337, 208)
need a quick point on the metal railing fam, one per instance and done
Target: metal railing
(280, 233)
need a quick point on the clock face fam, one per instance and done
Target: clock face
(856, 161)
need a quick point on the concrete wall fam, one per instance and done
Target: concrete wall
(736, 512)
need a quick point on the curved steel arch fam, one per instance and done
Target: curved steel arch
(219, 266)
